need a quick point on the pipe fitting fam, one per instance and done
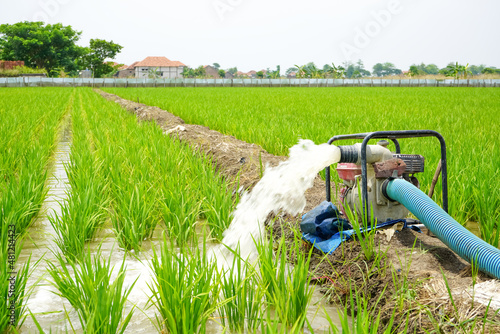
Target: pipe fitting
(349, 154)
(374, 153)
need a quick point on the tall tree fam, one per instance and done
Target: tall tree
(49, 46)
(96, 55)
(355, 70)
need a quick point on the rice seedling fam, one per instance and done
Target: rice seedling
(361, 225)
(29, 121)
(241, 296)
(405, 292)
(98, 300)
(184, 290)
(287, 289)
(14, 291)
(276, 118)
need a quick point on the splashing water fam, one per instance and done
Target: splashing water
(281, 188)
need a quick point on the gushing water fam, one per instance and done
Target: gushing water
(281, 188)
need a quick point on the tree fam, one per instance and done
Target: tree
(274, 74)
(290, 70)
(300, 71)
(355, 70)
(490, 70)
(382, 70)
(222, 73)
(414, 71)
(431, 69)
(198, 72)
(233, 70)
(48, 46)
(96, 54)
(456, 70)
(475, 70)
(260, 74)
(216, 65)
(154, 73)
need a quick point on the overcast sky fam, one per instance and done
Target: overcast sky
(257, 34)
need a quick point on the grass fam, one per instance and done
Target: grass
(86, 283)
(276, 118)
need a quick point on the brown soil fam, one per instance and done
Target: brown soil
(416, 258)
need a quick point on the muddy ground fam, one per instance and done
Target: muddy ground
(409, 279)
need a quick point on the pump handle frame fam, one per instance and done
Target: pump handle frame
(393, 136)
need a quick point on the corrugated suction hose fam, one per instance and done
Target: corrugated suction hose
(448, 230)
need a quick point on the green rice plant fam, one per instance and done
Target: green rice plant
(133, 219)
(405, 292)
(358, 316)
(86, 283)
(14, 291)
(180, 216)
(28, 127)
(241, 296)
(184, 290)
(361, 225)
(287, 288)
(82, 213)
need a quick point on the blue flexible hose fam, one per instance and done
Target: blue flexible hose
(448, 230)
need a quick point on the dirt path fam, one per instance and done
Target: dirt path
(412, 272)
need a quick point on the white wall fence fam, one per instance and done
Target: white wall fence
(116, 82)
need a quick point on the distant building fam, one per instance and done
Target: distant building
(126, 71)
(211, 71)
(10, 64)
(159, 67)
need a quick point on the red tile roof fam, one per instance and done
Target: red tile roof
(158, 62)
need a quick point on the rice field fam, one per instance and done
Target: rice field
(161, 206)
(276, 118)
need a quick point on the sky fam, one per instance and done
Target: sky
(260, 34)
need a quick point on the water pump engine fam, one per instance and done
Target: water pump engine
(381, 164)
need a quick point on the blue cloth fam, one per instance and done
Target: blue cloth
(323, 221)
(329, 245)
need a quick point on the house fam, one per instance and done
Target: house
(211, 71)
(126, 71)
(159, 67)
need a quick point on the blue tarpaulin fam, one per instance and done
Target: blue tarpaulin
(323, 227)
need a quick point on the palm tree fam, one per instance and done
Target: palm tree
(300, 71)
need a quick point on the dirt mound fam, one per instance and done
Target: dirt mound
(411, 275)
